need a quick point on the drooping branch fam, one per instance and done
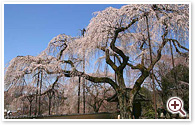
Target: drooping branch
(179, 45)
(146, 72)
(109, 61)
(117, 50)
(117, 31)
(176, 49)
(75, 72)
(61, 51)
(103, 48)
(141, 67)
(164, 41)
(69, 62)
(98, 79)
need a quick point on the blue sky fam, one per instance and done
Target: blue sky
(29, 27)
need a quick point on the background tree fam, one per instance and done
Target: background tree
(97, 94)
(166, 75)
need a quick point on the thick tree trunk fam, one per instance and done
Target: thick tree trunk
(126, 98)
(126, 101)
(125, 113)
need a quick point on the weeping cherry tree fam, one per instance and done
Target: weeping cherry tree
(132, 34)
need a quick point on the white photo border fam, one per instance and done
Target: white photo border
(93, 2)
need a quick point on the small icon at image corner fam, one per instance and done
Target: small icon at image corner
(175, 105)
